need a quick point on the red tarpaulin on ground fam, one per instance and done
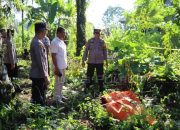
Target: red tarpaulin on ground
(123, 104)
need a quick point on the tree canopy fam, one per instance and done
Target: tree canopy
(113, 16)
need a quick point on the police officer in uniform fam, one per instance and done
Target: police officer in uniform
(39, 65)
(96, 53)
(10, 57)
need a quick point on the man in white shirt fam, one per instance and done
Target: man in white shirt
(59, 59)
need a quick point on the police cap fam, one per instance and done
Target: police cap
(97, 30)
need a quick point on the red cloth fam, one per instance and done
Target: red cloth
(122, 104)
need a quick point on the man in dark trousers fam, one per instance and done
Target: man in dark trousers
(96, 52)
(39, 65)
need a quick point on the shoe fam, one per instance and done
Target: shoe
(59, 102)
(64, 98)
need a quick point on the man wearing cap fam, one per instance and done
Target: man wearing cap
(39, 65)
(96, 53)
(59, 59)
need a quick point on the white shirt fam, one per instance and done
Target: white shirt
(59, 47)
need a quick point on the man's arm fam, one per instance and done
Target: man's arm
(54, 60)
(85, 54)
(105, 53)
(39, 53)
(11, 54)
(54, 51)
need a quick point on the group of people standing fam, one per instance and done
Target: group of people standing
(39, 72)
(95, 51)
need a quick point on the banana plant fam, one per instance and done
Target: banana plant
(45, 11)
(51, 11)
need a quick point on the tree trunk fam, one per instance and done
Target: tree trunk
(23, 26)
(81, 25)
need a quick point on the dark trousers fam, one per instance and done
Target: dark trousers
(38, 91)
(99, 72)
(11, 72)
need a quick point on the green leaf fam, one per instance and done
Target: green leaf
(52, 12)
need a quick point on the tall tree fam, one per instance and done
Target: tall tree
(81, 24)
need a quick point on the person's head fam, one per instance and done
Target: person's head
(97, 33)
(40, 29)
(10, 33)
(3, 33)
(60, 32)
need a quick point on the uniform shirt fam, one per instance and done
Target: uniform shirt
(39, 65)
(46, 41)
(95, 51)
(59, 47)
(10, 56)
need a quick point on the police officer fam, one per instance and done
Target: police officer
(39, 65)
(10, 57)
(96, 52)
(46, 42)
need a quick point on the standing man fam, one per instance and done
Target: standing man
(59, 59)
(95, 51)
(39, 65)
(10, 57)
(3, 74)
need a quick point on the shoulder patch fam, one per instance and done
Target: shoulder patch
(41, 44)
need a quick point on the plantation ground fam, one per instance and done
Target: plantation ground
(84, 110)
